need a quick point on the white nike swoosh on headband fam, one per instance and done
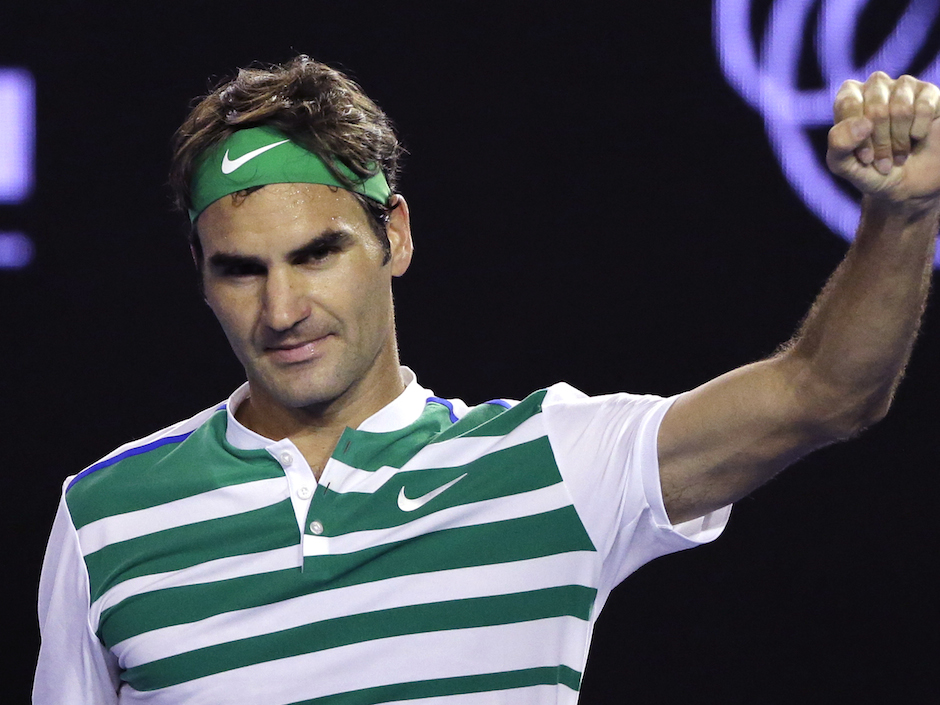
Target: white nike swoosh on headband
(230, 165)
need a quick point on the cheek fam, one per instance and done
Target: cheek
(233, 315)
(374, 306)
(357, 298)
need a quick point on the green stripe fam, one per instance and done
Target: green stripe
(559, 531)
(185, 546)
(522, 468)
(482, 683)
(168, 473)
(494, 420)
(371, 451)
(184, 469)
(573, 600)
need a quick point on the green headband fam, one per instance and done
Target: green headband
(258, 156)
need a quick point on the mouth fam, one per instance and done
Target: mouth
(292, 353)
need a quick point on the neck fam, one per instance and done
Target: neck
(316, 429)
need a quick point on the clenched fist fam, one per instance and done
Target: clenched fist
(886, 139)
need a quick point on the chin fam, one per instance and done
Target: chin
(293, 398)
(300, 395)
(306, 386)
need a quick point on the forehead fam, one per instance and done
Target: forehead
(279, 216)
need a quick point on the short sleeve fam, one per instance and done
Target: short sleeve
(606, 451)
(74, 668)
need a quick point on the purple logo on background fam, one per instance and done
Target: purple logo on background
(17, 145)
(766, 76)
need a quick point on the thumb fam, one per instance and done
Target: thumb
(848, 139)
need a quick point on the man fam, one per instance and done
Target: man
(336, 533)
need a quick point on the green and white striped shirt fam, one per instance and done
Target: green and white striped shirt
(447, 554)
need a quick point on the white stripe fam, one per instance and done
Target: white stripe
(208, 572)
(460, 451)
(415, 657)
(452, 453)
(533, 695)
(425, 588)
(214, 504)
(342, 478)
(515, 506)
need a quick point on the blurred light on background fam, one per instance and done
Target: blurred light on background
(17, 148)
(17, 121)
(765, 72)
(16, 250)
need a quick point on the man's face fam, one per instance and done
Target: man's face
(295, 275)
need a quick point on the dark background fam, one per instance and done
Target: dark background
(591, 203)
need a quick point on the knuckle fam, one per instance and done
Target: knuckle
(923, 109)
(851, 85)
(927, 101)
(877, 111)
(847, 102)
(901, 110)
(903, 91)
(876, 93)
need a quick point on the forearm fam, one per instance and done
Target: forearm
(839, 372)
(836, 375)
(849, 355)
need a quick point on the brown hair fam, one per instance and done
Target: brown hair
(316, 106)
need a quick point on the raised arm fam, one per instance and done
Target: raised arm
(838, 373)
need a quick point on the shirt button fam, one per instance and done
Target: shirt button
(286, 458)
(316, 528)
(304, 492)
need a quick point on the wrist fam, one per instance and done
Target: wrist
(910, 211)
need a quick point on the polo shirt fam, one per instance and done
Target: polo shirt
(447, 554)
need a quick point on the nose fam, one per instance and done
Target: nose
(285, 302)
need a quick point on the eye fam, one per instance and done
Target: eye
(315, 255)
(238, 270)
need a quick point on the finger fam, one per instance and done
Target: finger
(848, 101)
(844, 140)
(877, 93)
(849, 104)
(901, 110)
(926, 109)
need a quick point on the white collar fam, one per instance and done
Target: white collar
(402, 411)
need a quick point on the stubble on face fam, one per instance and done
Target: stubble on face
(296, 278)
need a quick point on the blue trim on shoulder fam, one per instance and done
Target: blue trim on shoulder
(499, 402)
(127, 454)
(444, 402)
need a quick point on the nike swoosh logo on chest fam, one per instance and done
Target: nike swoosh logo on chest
(409, 505)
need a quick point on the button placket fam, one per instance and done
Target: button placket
(315, 543)
(301, 482)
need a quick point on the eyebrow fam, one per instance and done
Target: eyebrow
(330, 238)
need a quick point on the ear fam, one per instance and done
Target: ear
(399, 235)
(195, 246)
